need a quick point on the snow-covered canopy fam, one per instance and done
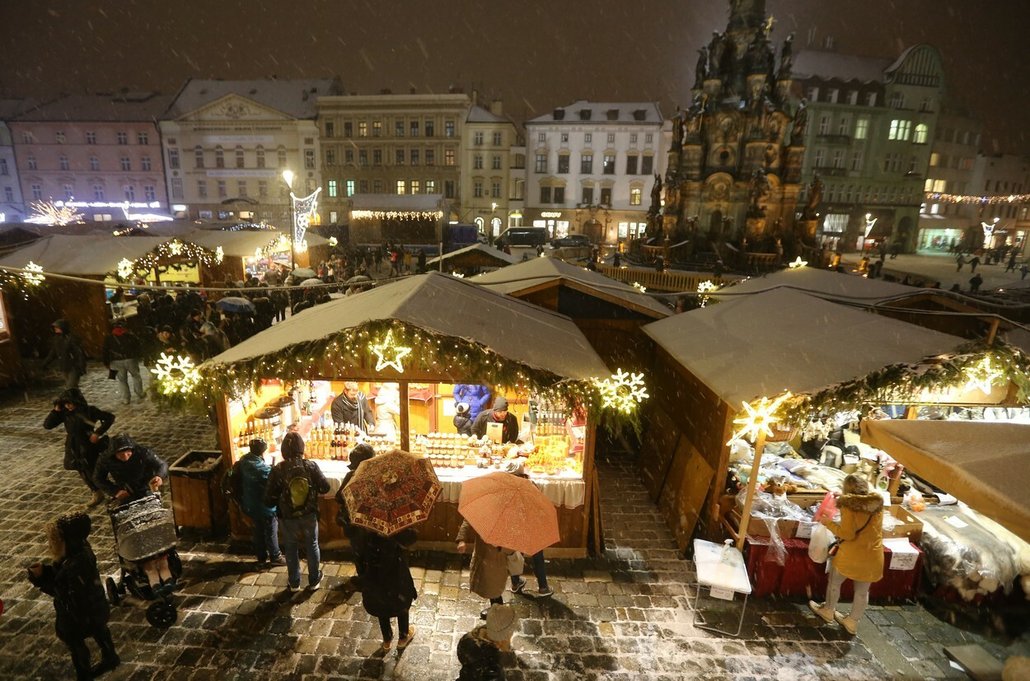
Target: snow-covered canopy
(823, 283)
(476, 255)
(537, 273)
(762, 344)
(446, 306)
(983, 464)
(89, 254)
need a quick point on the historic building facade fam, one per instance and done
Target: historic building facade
(734, 165)
(871, 123)
(591, 168)
(227, 142)
(99, 153)
(492, 176)
(12, 207)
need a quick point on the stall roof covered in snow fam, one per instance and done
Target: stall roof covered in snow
(446, 306)
(952, 455)
(823, 283)
(90, 254)
(762, 344)
(541, 272)
(397, 202)
(480, 254)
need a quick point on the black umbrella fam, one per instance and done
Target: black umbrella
(235, 304)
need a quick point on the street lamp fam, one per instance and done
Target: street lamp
(288, 179)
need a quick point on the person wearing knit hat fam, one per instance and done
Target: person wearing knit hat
(73, 581)
(254, 471)
(498, 414)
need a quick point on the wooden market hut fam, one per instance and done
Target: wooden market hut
(475, 257)
(608, 312)
(708, 361)
(496, 337)
(87, 258)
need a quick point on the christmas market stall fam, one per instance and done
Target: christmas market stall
(404, 366)
(471, 260)
(608, 312)
(79, 296)
(805, 382)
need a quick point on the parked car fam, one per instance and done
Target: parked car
(572, 241)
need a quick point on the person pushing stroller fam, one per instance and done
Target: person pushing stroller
(129, 472)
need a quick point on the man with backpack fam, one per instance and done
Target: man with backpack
(247, 480)
(293, 488)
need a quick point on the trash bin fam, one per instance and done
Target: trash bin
(197, 499)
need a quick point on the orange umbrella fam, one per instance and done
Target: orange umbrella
(391, 492)
(509, 511)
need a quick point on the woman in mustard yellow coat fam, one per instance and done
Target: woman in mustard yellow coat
(859, 554)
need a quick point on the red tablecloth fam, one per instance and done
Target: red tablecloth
(800, 577)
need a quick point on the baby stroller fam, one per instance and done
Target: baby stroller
(144, 535)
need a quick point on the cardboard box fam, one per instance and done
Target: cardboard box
(903, 555)
(909, 525)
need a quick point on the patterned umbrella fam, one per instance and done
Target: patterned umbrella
(509, 511)
(391, 492)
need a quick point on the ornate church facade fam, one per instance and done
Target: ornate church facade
(734, 165)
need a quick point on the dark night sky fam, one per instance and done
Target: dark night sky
(534, 54)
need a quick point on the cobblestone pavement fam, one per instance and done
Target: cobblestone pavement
(624, 616)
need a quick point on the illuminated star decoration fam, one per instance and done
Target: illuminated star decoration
(758, 418)
(623, 391)
(219, 254)
(175, 374)
(36, 278)
(705, 287)
(388, 347)
(640, 287)
(982, 375)
(333, 241)
(125, 268)
(175, 247)
(797, 263)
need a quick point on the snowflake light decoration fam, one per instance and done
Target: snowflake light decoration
(798, 263)
(623, 391)
(219, 255)
(175, 374)
(389, 354)
(36, 277)
(758, 418)
(640, 287)
(333, 241)
(125, 268)
(982, 375)
(705, 287)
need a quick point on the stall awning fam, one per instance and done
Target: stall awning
(766, 343)
(446, 306)
(823, 283)
(92, 254)
(986, 465)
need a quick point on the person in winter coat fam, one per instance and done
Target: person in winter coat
(477, 397)
(462, 421)
(254, 472)
(84, 440)
(859, 554)
(355, 535)
(66, 354)
(488, 570)
(388, 589)
(79, 601)
(122, 352)
(498, 414)
(128, 471)
(290, 479)
(351, 406)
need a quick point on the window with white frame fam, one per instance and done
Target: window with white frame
(126, 163)
(241, 188)
(144, 163)
(477, 189)
(477, 138)
(844, 125)
(219, 157)
(142, 137)
(824, 125)
(130, 192)
(62, 162)
(835, 223)
(37, 192)
(98, 192)
(223, 191)
(241, 159)
(921, 134)
(541, 163)
(202, 189)
(495, 162)
(402, 187)
(861, 128)
(122, 137)
(91, 137)
(176, 188)
(635, 196)
(150, 193)
(609, 164)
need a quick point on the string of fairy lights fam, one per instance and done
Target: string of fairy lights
(988, 200)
